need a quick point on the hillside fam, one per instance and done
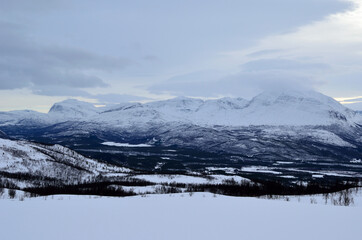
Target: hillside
(26, 164)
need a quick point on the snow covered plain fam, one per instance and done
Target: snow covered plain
(177, 216)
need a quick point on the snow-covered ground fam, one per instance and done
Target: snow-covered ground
(259, 169)
(177, 216)
(125, 144)
(213, 179)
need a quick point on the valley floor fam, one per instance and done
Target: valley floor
(178, 216)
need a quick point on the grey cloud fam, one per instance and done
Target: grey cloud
(199, 76)
(30, 76)
(60, 91)
(35, 6)
(263, 52)
(353, 100)
(241, 85)
(78, 59)
(282, 64)
(151, 58)
(111, 98)
(118, 98)
(24, 63)
(179, 43)
(254, 77)
(343, 83)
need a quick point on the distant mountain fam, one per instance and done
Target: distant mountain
(296, 108)
(293, 108)
(357, 106)
(24, 117)
(72, 109)
(273, 108)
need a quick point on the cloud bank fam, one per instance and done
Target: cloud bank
(115, 49)
(50, 70)
(325, 55)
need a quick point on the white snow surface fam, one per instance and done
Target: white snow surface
(177, 216)
(259, 169)
(125, 144)
(213, 179)
(229, 170)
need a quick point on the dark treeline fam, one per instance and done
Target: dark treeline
(247, 188)
(104, 188)
(112, 186)
(229, 187)
(95, 189)
(27, 177)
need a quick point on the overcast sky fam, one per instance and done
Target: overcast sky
(114, 51)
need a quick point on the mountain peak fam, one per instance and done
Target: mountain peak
(73, 108)
(297, 107)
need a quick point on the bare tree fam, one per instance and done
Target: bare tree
(11, 193)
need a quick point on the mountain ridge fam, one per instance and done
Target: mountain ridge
(274, 108)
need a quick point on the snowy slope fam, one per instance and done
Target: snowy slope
(50, 161)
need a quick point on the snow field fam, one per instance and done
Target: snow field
(178, 216)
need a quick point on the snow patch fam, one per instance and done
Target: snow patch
(259, 169)
(113, 144)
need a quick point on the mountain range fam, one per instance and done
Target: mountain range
(272, 108)
(295, 126)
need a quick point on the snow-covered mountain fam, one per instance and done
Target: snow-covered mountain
(293, 108)
(24, 117)
(272, 108)
(296, 108)
(29, 162)
(72, 109)
(357, 106)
